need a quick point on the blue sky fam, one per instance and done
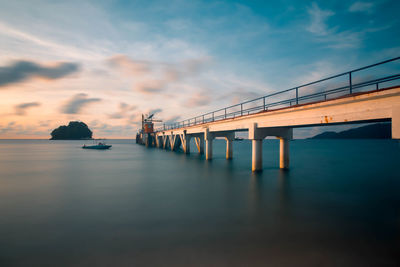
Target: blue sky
(106, 62)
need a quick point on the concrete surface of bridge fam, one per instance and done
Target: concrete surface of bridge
(371, 106)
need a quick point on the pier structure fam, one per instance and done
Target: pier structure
(351, 103)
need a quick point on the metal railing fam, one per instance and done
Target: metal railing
(263, 103)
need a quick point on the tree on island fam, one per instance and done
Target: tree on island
(74, 131)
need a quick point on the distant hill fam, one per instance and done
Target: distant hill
(75, 130)
(373, 131)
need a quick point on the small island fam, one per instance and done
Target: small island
(76, 130)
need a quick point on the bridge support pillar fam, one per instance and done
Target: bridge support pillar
(258, 134)
(208, 137)
(148, 140)
(165, 141)
(229, 148)
(158, 141)
(229, 137)
(208, 149)
(396, 123)
(284, 153)
(185, 140)
(256, 155)
(172, 141)
(200, 144)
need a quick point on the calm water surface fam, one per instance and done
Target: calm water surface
(338, 205)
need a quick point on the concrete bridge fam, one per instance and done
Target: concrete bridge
(263, 117)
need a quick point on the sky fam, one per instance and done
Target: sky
(107, 62)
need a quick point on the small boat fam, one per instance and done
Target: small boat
(99, 145)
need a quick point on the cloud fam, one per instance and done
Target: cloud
(152, 77)
(105, 129)
(43, 44)
(77, 103)
(124, 110)
(45, 123)
(10, 127)
(318, 20)
(135, 119)
(129, 66)
(19, 71)
(198, 99)
(150, 86)
(331, 36)
(240, 95)
(154, 111)
(172, 119)
(365, 7)
(21, 108)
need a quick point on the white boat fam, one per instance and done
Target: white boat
(99, 145)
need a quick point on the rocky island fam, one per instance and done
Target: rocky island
(76, 130)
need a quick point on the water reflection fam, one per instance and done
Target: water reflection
(284, 202)
(154, 205)
(255, 195)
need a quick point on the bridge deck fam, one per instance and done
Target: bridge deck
(376, 105)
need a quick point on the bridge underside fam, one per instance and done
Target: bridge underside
(373, 106)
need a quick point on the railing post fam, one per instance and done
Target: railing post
(264, 103)
(203, 118)
(241, 109)
(213, 116)
(350, 83)
(225, 113)
(377, 86)
(297, 95)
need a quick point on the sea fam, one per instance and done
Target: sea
(337, 205)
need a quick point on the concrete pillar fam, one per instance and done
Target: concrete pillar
(396, 123)
(208, 137)
(165, 140)
(209, 149)
(256, 155)
(200, 144)
(229, 148)
(172, 142)
(284, 153)
(256, 137)
(185, 143)
(160, 142)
